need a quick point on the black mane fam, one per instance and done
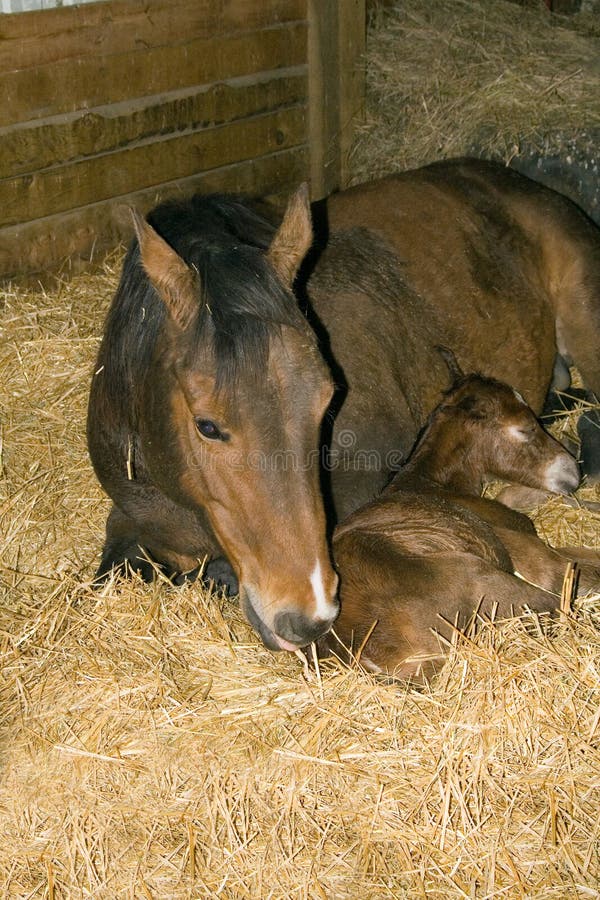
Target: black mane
(241, 303)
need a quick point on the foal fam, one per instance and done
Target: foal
(430, 551)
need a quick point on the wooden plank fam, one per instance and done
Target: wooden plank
(148, 163)
(336, 44)
(70, 241)
(38, 38)
(90, 81)
(33, 146)
(352, 33)
(324, 100)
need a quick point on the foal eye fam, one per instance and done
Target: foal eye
(522, 434)
(209, 430)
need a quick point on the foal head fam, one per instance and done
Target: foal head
(483, 430)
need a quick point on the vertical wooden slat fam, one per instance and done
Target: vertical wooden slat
(352, 38)
(336, 41)
(323, 96)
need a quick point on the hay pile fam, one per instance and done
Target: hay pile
(151, 748)
(453, 77)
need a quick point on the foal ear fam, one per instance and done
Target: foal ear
(456, 373)
(176, 283)
(293, 239)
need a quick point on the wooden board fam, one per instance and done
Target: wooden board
(73, 240)
(126, 26)
(148, 163)
(125, 99)
(43, 143)
(74, 84)
(324, 97)
(336, 88)
(351, 73)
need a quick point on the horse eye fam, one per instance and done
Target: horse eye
(209, 430)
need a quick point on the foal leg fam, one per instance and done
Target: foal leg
(581, 555)
(401, 617)
(578, 335)
(545, 567)
(588, 567)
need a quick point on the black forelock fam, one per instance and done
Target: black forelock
(241, 305)
(241, 301)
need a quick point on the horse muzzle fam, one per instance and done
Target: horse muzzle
(292, 628)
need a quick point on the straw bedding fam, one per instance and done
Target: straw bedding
(150, 747)
(450, 77)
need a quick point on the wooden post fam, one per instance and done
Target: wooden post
(352, 37)
(336, 44)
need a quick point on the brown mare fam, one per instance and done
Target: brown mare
(430, 551)
(210, 387)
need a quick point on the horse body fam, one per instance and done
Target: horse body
(430, 551)
(463, 253)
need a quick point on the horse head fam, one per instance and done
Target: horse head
(231, 422)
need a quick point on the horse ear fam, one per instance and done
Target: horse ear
(293, 239)
(176, 283)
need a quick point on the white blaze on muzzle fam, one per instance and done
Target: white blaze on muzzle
(325, 608)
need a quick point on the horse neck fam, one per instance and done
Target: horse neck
(443, 459)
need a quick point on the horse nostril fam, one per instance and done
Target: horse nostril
(300, 629)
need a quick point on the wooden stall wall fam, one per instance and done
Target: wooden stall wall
(131, 101)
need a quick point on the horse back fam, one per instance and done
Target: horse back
(490, 252)
(443, 259)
